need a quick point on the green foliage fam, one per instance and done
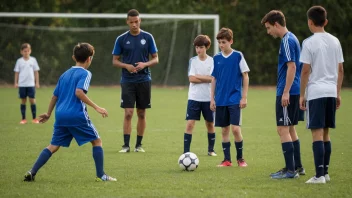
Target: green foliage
(243, 16)
(71, 172)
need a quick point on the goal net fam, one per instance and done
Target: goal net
(53, 35)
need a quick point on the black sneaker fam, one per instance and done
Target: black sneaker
(28, 177)
(301, 171)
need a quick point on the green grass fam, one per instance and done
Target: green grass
(71, 172)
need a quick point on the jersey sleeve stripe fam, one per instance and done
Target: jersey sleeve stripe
(287, 48)
(87, 81)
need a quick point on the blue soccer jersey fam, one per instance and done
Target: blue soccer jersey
(228, 74)
(289, 52)
(70, 110)
(134, 49)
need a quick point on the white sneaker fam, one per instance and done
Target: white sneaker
(327, 178)
(314, 180)
(124, 150)
(139, 149)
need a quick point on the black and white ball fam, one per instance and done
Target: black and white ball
(188, 161)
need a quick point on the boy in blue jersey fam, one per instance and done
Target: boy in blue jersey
(135, 46)
(229, 89)
(200, 68)
(287, 94)
(71, 116)
(322, 77)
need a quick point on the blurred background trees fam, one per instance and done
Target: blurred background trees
(52, 39)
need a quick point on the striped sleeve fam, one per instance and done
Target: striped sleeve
(84, 81)
(288, 49)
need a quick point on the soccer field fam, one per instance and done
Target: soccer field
(71, 171)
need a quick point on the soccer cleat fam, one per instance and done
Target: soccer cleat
(301, 171)
(139, 149)
(35, 121)
(225, 163)
(285, 175)
(242, 163)
(281, 171)
(125, 149)
(327, 177)
(28, 177)
(24, 121)
(314, 180)
(105, 178)
(212, 153)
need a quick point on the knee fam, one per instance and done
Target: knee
(128, 115)
(141, 115)
(236, 130)
(53, 148)
(189, 127)
(97, 142)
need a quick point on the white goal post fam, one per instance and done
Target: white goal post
(214, 17)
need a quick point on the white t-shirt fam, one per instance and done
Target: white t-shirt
(26, 69)
(323, 52)
(200, 91)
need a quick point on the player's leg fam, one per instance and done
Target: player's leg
(329, 123)
(187, 137)
(283, 122)
(88, 133)
(141, 125)
(236, 122)
(208, 116)
(327, 153)
(61, 137)
(31, 95)
(296, 151)
(23, 96)
(316, 122)
(295, 115)
(128, 99)
(143, 95)
(222, 119)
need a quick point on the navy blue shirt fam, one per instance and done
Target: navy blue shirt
(228, 74)
(134, 49)
(70, 110)
(289, 52)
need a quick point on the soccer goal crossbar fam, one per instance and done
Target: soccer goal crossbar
(122, 16)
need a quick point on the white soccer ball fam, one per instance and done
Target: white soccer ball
(188, 161)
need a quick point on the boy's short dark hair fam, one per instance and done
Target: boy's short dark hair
(82, 51)
(25, 46)
(274, 16)
(318, 15)
(132, 13)
(202, 40)
(225, 33)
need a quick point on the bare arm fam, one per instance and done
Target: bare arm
(36, 74)
(150, 63)
(212, 94)
(339, 84)
(200, 79)
(117, 63)
(45, 117)
(304, 81)
(243, 102)
(82, 96)
(16, 79)
(290, 76)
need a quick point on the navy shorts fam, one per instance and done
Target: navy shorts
(62, 136)
(24, 92)
(321, 113)
(287, 116)
(226, 115)
(136, 93)
(194, 108)
(300, 115)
